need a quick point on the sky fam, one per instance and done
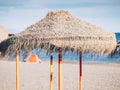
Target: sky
(17, 15)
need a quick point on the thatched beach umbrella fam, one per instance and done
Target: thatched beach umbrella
(117, 49)
(3, 33)
(59, 31)
(118, 46)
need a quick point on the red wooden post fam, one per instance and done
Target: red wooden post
(60, 70)
(80, 87)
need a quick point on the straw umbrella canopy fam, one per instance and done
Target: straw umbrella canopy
(3, 33)
(61, 29)
(117, 49)
(118, 46)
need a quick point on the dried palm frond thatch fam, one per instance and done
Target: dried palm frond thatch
(59, 29)
(118, 46)
(3, 33)
(117, 50)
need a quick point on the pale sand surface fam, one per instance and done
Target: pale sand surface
(35, 76)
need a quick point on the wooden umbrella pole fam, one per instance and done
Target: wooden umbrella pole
(60, 70)
(80, 71)
(17, 70)
(51, 72)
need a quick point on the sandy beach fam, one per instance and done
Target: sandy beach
(35, 76)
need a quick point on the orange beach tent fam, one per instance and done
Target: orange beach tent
(33, 58)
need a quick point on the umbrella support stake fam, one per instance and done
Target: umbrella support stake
(17, 70)
(51, 72)
(80, 68)
(60, 71)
